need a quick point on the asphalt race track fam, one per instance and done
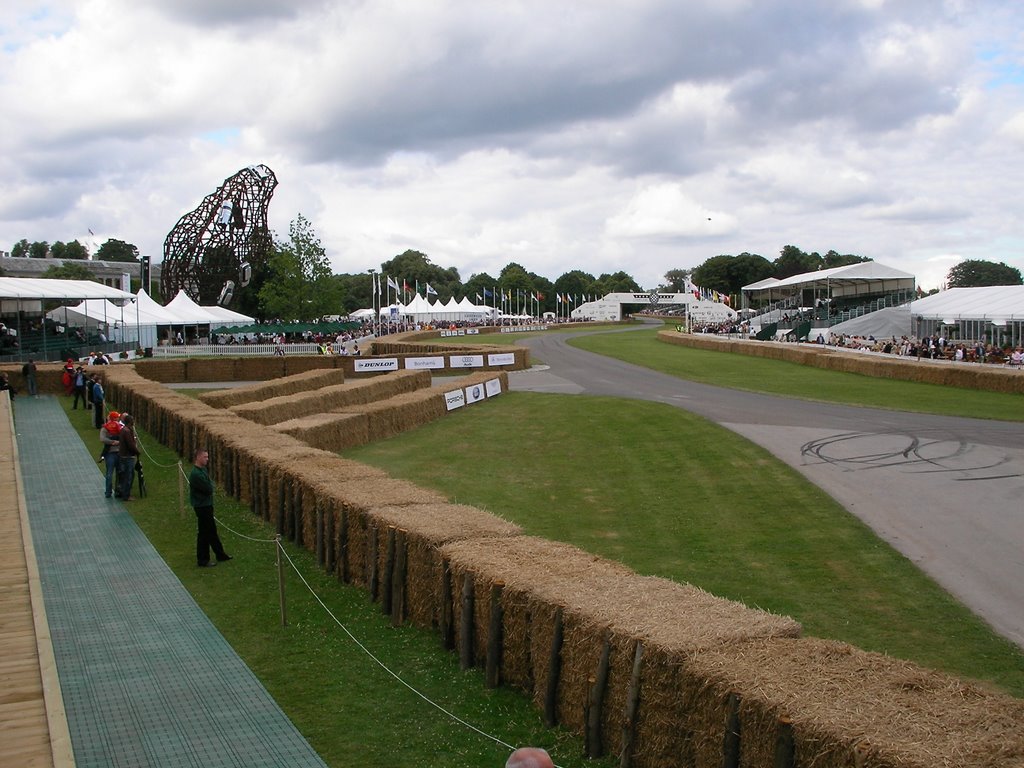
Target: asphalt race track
(946, 492)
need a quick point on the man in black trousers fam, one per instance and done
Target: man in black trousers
(200, 495)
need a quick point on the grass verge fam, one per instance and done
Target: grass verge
(754, 374)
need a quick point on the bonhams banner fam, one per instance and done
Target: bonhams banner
(493, 387)
(420, 363)
(455, 399)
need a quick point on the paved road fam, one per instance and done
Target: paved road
(946, 492)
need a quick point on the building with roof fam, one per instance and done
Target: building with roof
(994, 314)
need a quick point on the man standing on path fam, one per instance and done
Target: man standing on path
(28, 372)
(200, 496)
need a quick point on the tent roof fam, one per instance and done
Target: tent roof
(995, 302)
(188, 312)
(851, 274)
(44, 288)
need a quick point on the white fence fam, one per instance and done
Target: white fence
(233, 350)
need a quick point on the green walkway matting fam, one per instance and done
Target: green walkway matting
(147, 679)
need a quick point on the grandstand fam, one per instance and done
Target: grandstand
(816, 301)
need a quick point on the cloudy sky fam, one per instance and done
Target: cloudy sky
(603, 135)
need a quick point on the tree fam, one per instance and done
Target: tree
(69, 270)
(619, 282)
(117, 250)
(833, 259)
(675, 280)
(793, 261)
(20, 249)
(974, 273)
(728, 274)
(414, 267)
(75, 250)
(300, 285)
(38, 250)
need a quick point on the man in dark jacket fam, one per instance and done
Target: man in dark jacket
(127, 455)
(200, 496)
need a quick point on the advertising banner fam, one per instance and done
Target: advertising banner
(453, 400)
(502, 358)
(493, 387)
(420, 363)
(475, 393)
(370, 365)
(466, 361)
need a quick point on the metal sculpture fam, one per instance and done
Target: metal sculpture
(215, 245)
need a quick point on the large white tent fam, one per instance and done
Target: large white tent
(994, 313)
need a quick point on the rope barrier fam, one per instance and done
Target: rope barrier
(384, 666)
(448, 713)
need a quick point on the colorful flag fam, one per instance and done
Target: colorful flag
(488, 294)
(428, 290)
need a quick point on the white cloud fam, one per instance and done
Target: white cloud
(560, 136)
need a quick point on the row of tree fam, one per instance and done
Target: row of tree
(111, 250)
(295, 281)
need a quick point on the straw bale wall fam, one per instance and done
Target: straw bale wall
(660, 672)
(597, 603)
(358, 424)
(197, 369)
(847, 707)
(981, 376)
(305, 403)
(275, 387)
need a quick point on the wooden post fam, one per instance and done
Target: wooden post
(319, 534)
(446, 622)
(632, 705)
(388, 572)
(492, 665)
(785, 748)
(181, 491)
(554, 672)
(731, 744)
(280, 506)
(371, 561)
(595, 701)
(343, 571)
(280, 582)
(398, 580)
(296, 505)
(330, 563)
(466, 624)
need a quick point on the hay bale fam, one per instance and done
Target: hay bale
(164, 371)
(211, 369)
(299, 363)
(329, 431)
(264, 390)
(841, 699)
(306, 403)
(260, 368)
(427, 527)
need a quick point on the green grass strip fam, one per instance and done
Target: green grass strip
(754, 374)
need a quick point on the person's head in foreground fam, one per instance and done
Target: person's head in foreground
(529, 757)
